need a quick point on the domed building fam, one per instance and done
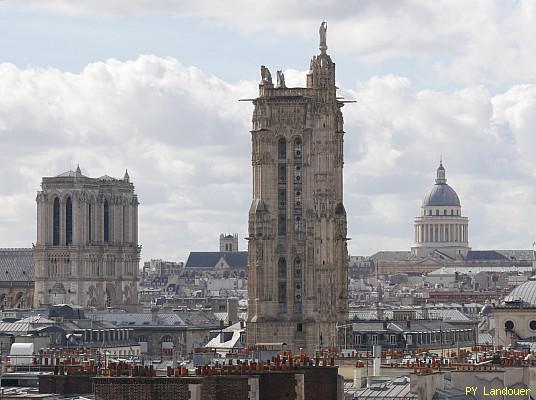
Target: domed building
(515, 318)
(441, 243)
(524, 294)
(441, 230)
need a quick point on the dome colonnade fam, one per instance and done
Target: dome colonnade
(441, 226)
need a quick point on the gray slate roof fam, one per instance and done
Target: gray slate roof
(526, 292)
(163, 319)
(68, 174)
(16, 265)
(434, 314)
(441, 195)
(391, 255)
(513, 255)
(397, 388)
(484, 255)
(208, 259)
(124, 319)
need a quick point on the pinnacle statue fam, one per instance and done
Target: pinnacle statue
(323, 31)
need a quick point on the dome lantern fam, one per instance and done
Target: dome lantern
(441, 178)
(441, 194)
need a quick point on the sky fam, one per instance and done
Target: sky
(152, 86)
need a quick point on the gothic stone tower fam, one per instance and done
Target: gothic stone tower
(87, 249)
(297, 222)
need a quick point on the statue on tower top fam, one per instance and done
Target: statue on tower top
(281, 79)
(322, 30)
(266, 76)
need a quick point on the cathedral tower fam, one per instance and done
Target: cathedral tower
(297, 285)
(87, 249)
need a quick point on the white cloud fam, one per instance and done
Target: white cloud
(479, 41)
(181, 133)
(487, 147)
(184, 138)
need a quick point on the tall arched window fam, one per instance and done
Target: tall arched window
(125, 224)
(282, 187)
(106, 223)
(298, 285)
(282, 149)
(297, 149)
(298, 188)
(282, 284)
(89, 222)
(56, 223)
(68, 222)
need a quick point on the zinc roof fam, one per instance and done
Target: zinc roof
(16, 265)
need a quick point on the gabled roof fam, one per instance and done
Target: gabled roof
(107, 178)
(24, 326)
(429, 260)
(391, 255)
(443, 255)
(513, 255)
(16, 265)
(368, 314)
(208, 259)
(124, 319)
(484, 255)
(36, 319)
(398, 388)
(70, 174)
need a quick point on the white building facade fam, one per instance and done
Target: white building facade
(441, 228)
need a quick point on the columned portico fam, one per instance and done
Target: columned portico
(441, 226)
